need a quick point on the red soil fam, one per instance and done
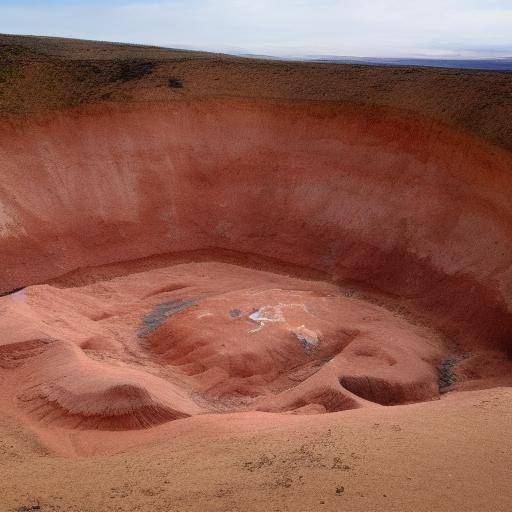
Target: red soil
(314, 257)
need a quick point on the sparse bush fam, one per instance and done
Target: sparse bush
(175, 83)
(132, 70)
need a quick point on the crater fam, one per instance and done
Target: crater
(212, 253)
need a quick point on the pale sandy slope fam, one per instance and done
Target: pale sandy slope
(454, 454)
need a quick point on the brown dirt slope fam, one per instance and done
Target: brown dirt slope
(39, 73)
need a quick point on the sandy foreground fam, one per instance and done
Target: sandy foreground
(450, 454)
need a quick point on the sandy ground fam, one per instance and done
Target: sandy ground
(452, 454)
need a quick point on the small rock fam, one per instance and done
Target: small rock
(34, 507)
(307, 338)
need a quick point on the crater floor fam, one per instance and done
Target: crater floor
(143, 349)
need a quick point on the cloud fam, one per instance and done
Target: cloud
(349, 27)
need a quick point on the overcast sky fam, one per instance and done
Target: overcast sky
(373, 28)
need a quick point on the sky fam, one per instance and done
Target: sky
(362, 28)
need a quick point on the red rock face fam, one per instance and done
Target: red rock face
(410, 214)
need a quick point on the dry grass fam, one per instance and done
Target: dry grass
(38, 73)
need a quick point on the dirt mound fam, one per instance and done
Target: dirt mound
(250, 344)
(61, 386)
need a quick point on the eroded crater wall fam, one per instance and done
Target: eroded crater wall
(381, 197)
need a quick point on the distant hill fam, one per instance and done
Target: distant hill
(501, 64)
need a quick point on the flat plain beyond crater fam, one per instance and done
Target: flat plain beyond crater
(233, 284)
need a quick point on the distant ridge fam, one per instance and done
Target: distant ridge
(499, 64)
